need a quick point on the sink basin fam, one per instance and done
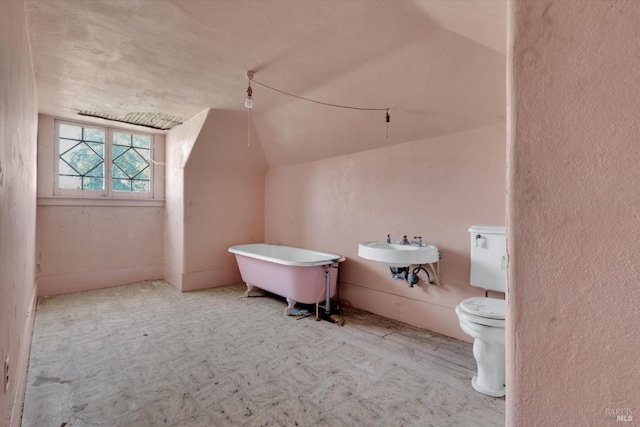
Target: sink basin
(397, 255)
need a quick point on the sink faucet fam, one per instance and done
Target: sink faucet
(405, 241)
(418, 241)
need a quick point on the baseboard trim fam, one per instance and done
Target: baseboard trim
(437, 318)
(23, 366)
(210, 278)
(91, 280)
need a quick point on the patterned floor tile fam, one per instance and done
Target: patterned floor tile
(146, 354)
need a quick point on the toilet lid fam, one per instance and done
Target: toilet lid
(489, 308)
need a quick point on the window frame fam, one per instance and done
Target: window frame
(107, 192)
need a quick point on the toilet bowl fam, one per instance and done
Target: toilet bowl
(483, 319)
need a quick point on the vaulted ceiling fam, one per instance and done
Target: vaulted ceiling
(438, 65)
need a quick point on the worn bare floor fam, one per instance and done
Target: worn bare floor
(146, 355)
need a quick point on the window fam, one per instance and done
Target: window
(102, 162)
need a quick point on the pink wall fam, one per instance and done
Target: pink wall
(435, 188)
(95, 244)
(573, 337)
(179, 142)
(93, 247)
(222, 197)
(18, 128)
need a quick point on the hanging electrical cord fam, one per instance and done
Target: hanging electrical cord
(321, 102)
(249, 131)
(249, 100)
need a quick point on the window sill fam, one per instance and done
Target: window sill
(97, 201)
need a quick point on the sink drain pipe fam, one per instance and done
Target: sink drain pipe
(327, 304)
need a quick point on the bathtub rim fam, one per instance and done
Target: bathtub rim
(331, 258)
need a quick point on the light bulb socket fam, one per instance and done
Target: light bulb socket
(248, 102)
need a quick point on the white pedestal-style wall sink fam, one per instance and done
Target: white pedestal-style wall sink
(397, 255)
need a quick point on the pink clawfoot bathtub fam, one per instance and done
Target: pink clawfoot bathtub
(299, 275)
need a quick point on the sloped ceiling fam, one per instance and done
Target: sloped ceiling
(438, 65)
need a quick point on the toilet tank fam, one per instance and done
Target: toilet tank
(488, 257)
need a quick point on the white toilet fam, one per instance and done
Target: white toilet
(483, 318)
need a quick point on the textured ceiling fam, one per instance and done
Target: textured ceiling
(439, 65)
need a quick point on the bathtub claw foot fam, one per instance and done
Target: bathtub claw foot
(290, 304)
(248, 291)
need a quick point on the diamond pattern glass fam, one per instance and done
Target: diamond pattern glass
(81, 161)
(131, 158)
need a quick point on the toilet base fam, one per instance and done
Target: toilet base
(488, 350)
(500, 392)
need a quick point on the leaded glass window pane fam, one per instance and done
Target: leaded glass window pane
(70, 182)
(70, 132)
(145, 175)
(141, 186)
(120, 138)
(131, 162)
(81, 158)
(96, 135)
(141, 141)
(122, 185)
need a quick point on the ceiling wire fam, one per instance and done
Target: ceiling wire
(318, 102)
(329, 104)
